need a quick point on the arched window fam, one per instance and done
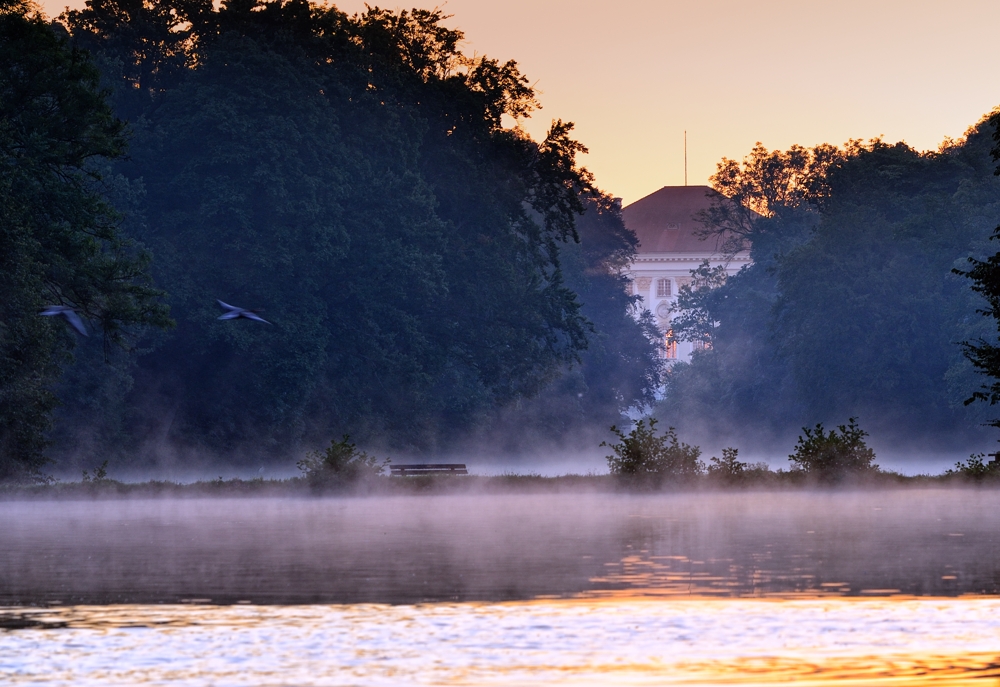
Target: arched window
(662, 288)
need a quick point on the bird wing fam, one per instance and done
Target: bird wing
(75, 320)
(51, 310)
(253, 316)
(226, 305)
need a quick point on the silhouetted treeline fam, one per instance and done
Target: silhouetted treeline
(361, 181)
(60, 247)
(984, 351)
(851, 307)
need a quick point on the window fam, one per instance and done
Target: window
(662, 288)
(670, 345)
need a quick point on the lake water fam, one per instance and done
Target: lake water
(888, 587)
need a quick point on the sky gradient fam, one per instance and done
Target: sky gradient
(634, 75)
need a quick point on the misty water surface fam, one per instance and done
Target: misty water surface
(493, 547)
(857, 588)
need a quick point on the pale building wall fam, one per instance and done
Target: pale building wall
(668, 224)
(676, 268)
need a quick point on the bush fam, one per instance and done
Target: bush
(642, 455)
(100, 475)
(975, 468)
(340, 464)
(730, 470)
(833, 456)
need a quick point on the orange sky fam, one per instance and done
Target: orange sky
(635, 74)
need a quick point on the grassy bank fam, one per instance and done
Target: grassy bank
(450, 484)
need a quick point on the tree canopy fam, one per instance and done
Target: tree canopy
(59, 238)
(850, 307)
(425, 264)
(982, 352)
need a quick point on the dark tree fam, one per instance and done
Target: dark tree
(643, 456)
(355, 177)
(985, 275)
(984, 355)
(849, 307)
(834, 456)
(59, 242)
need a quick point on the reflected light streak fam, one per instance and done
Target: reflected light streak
(624, 642)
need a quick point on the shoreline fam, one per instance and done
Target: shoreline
(427, 485)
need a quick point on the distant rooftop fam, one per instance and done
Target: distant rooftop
(665, 222)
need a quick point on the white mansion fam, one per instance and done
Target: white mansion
(669, 249)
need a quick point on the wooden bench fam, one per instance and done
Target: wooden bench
(428, 469)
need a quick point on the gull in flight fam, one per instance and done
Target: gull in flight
(233, 312)
(67, 312)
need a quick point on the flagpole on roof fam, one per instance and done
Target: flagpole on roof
(685, 157)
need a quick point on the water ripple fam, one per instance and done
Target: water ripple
(862, 641)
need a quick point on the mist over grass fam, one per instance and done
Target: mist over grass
(529, 475)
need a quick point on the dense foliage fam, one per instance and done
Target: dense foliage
(647, 457)
(428, 268)
(340, 464)
(59, 238)
(983, 353)
(850, 307)
(730, 470)
(836, 455)
(975, 468)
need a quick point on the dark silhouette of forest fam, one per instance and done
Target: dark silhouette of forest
(431, 272)
(852, 306)
(431, 277)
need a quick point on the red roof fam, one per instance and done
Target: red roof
(665, 222)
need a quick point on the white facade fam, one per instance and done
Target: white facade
(668, 227)
(651, 272)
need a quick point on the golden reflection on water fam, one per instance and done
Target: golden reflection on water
(699, 641)
(727, 589)
(500, 547)
(646, 575)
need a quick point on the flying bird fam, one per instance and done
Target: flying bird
(67, 312)
(233, 312)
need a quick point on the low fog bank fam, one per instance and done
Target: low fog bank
(494, 547)
(186, 467)
(896, 446)
(912, 463)
(545, 459)
(904, 462)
